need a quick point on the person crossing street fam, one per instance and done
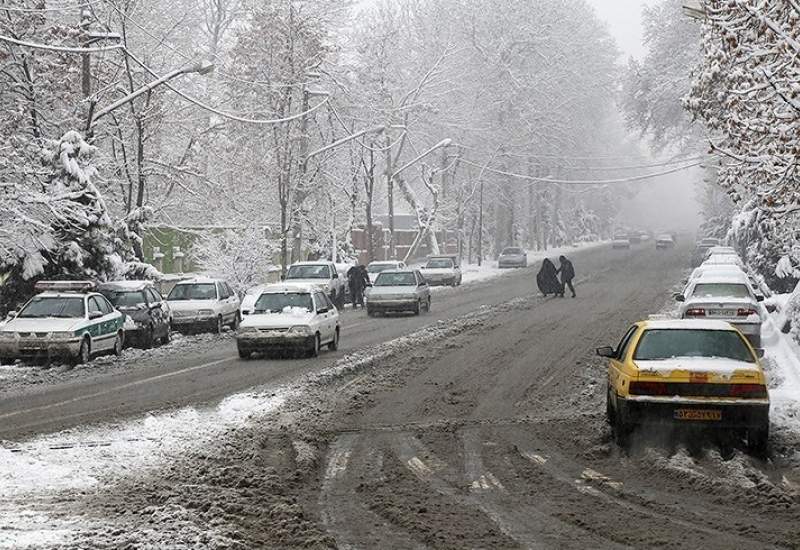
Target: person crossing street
(567, 272)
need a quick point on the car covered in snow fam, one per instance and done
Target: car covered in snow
(512, 256)
(724, 259)
(321, 274)
(442, 270)
(723, 297)
(289, 317)
(65, 320)
(620, 242)
(664, 241)
(377, 267)
(398, 291)
(203, 304)
(686, 372)
(724, 269)
(720, 251)
(148, 317)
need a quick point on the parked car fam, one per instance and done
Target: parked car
(289, 317)
(621, 242)
(377, 267)
(321, 274)
(725, 269)
(724, 259)
(66, 320)
(720, 251)
(724, 297)
(203, 304)
(635, 237)
(512, 256)
(148, 316)
(664, 241)
(397, 291)
(688, 372)
(442, 270)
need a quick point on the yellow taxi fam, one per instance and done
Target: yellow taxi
(687, 372)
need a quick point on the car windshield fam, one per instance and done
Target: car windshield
(194, 291)
(380, 268)
(53, 306)
(721, 290)
(723, 259)
(309, 272)
(278, 302)
(512, 252)
(125, 298)
(439, 263)
(661, 344)
(396, 279)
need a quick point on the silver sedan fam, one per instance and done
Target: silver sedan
(399, 290)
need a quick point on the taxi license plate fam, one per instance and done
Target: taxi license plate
(722, 312)
(698, 414)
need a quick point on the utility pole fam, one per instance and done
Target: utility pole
(86, 68)
(297, 244)
(480, 223)
(390, 195)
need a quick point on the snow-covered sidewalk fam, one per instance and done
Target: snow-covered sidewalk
(782, 363)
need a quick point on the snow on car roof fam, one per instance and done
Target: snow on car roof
(386, 262)
(723, 258)
(199, 280)
(687, 324)
(721, 277)
(311, 262)
(130, 286)
(278, 288)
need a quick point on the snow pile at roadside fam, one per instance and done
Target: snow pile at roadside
(782, 363)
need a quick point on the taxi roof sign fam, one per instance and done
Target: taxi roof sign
(64, 286)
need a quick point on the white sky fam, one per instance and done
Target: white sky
(624, 18)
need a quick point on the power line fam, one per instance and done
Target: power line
(583, 182)
(53, 9)
(65, 49)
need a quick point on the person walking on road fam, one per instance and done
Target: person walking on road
(547, 279)
(357, 281)
(567, 271)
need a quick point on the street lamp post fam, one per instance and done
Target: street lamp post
(203, 67)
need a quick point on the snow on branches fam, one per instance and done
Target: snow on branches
(748, 93)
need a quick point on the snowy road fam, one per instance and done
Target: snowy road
(486, 431)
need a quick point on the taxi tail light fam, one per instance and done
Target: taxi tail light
(746, 312)
(748, 390)
(695, 312)
(649, 388)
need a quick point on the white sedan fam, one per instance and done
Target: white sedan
(289, 317)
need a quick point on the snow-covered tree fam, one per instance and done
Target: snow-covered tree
(243, 257)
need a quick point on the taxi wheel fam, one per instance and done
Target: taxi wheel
(218, 329)
(167, 336)
(428, 305)
(757, 440)
(417, 307)
(609, 409)
(314, 350)
(236, 320)
(333, 346)
(244, 354)
(370, 312)
(622, 430)
(84, 353)
(148, 338)
(118, 343)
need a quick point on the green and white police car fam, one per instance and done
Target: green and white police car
(66, 320)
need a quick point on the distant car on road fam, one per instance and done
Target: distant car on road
(398, 291)
(146, 310)
(66, 320)
(724, 297)
(621, 242)
(377, 267)
(442, 270)
(635, 237)
(664, 241)
(289, 317)
(512, 256)
(692, 373)
(202, 304)
(321, 274)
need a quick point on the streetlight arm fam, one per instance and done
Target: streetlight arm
(443, 143)
(201, 68)
(374, 130)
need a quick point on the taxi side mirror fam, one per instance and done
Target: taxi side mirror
(759, 298)
(680, 298)
(12, 314)
(607, 352)
(760, 353)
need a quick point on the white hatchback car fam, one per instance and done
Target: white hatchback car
(724, 298)
(293, 317)
(203, 304)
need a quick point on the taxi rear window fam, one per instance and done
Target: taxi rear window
(661, 344)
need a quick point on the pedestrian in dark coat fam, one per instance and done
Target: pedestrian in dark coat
(357, 281)
(547, 278)
(567, 271)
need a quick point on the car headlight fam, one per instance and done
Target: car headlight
(247, 330)
(62, 335)
(7, 335)
(206, 312)
(301, 329)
